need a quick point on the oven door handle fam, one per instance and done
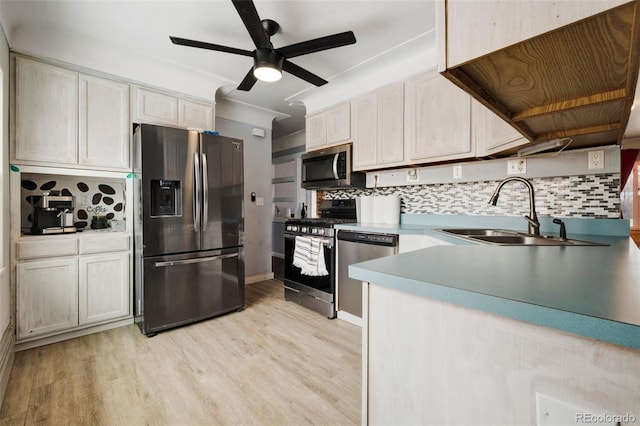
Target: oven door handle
(328, 241)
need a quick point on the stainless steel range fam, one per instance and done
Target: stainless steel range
(315, 289)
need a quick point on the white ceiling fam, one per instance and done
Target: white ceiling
(112, 34)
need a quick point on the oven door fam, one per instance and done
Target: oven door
(322, 287)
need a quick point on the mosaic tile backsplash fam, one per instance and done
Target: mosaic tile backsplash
(92, 197)
(594, 196)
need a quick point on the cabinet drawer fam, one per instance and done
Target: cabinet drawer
(46, 248)
(104, 243)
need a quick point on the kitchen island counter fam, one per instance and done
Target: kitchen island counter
(469, 333)
(593, 291)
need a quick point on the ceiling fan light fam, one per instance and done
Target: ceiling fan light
(267, 72)
(268, 65)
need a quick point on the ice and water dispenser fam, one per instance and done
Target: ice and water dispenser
(166, 198)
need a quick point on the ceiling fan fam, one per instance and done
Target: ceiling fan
(269, 62)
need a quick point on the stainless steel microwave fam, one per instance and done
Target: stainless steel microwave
(330, 169)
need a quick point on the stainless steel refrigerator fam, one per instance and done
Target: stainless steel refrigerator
(189, 228)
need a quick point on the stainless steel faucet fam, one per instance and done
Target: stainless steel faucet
(534, 225)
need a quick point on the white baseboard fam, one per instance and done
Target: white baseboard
(257, 278)
(7, 355)
(346, 316)
(36, 342)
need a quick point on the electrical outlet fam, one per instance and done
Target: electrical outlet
(517, 167)
(457, 172)
(259, 201)
(412, 175)
(596, 159)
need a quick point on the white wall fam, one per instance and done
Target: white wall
(257, 178)
(6, 325)
(5, 296)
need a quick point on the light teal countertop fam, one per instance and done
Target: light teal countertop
(593, 291)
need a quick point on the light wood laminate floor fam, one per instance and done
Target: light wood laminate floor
(275, 363)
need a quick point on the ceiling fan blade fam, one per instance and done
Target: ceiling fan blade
(317, 45)
(299, 72)
(209, 46)
(248, 81)
(249, 15)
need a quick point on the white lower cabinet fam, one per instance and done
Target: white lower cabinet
(103, 287)
(47, 296)
(71, 290)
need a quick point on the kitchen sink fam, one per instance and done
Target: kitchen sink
(514, 238)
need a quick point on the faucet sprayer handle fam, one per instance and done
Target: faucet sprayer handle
(563, 230)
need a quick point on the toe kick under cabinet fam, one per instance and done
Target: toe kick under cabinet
(67, 285)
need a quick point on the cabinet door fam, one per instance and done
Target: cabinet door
(475, 28)
(316, 131)
(364, 116)
(195, 115)
(491, 133)
(390, 124)
(103, 123)
(103, 287)
(47, 296)
(156, 108)
(46, 103)
(338, 123)
(441, 120)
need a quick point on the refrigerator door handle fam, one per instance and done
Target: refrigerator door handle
(205, 192)
(196, 192)
(198, 260)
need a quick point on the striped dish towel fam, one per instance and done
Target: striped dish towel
(308, 255)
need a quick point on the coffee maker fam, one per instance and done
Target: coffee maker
(52, 214)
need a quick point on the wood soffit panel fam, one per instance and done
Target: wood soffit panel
(576, 81)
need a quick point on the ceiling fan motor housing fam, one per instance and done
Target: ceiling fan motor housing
(268, 58)
(270, 26)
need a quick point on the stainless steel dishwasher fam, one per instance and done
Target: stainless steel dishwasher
(354, 247)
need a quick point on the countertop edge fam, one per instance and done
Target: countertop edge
(605, 330)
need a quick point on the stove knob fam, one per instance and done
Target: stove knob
(314, 230)
(289, 227)
(303, 229)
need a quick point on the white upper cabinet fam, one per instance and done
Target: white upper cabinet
(71, 119)
(473, 29)
(491, 133)
(438, 120)
(195, 115)
(377, 127)
(165, 109)
(46, 113)
(364, 115)
(156, 108)
(103, 123)
(329, 127)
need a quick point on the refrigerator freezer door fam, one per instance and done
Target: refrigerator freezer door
(169, 204)
(190, 287)
(222, 178)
